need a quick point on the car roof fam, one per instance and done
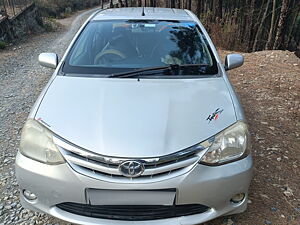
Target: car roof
(136, 14)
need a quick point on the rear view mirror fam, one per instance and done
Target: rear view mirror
(233, 61)
(49, 60)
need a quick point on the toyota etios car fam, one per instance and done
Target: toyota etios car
(139, 123)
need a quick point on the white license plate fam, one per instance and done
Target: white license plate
(131, 197)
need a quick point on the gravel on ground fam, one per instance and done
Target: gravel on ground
(21, 81)
(268, 85)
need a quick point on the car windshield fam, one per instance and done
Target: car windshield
(108, 47)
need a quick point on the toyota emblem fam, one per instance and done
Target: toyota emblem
(131, 168)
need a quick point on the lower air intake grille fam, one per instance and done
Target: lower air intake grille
(132, 212)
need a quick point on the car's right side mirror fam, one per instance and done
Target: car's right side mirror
(49, 60)
(233, 61)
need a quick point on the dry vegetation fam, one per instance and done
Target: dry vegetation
(246, 26)
(62, 8)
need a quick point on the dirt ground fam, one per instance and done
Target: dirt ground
(269, 87)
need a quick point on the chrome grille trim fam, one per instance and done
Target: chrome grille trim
(170, 167)
(117, 160)
(115, 171)
(90, 165)
(137, 180)
(107, 168)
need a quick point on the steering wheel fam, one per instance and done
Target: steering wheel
(104, 56)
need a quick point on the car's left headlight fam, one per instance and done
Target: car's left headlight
(37, 143)
(229, 145)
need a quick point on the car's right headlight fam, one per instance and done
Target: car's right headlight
(229, 145)
(37, 143)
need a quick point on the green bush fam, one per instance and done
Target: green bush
(2, 44)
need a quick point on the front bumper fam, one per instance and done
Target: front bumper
(210, 186)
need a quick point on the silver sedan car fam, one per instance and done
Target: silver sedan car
(138, 123)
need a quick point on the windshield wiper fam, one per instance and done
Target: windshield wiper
(172, 68)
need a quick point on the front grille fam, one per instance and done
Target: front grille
(107, 168)
(132, 212)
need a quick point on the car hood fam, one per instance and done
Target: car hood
(136, 118)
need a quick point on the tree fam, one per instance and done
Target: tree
(282, 20)
(120, 4)
(126, 3)
(151, 3)
(189, 4)
(179, 4)
(293, 24)
(241, 25)
(271, 31)
(198, 8)
(172, 3)
(219, 9)
(260, 27)
(250, 24)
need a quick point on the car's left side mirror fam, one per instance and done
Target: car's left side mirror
(233, 61)
(49, 60)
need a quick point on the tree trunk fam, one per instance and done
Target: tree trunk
(260, 27)
(179, 4)
(202, 4)
(120, 3)
(198, 11)
(152, 3)
(293, 25)
(126, 3)
(4, 7)
(172, 3)
(241, 23)
(219, 9)
(268, 44)
(190, 5)
(250, 23)
(111, 4)
(211, 6)
(139, 3)
(282, 20)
